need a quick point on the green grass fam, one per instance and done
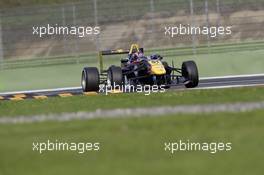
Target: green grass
(218, 64)
(91, 103)
(131, 146)
(136, 146)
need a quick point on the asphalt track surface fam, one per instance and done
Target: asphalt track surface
(205, 83)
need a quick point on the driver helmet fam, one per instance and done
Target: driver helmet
(141, 53)
(135, 56)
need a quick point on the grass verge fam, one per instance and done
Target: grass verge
(91, 103)
(136, 146)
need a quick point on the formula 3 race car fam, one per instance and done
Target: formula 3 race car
(137, 69)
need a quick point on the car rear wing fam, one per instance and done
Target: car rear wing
(109, 52)
(114, 52)
(133, 48)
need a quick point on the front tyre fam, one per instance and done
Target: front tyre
(90, 79)
(114, 76)
(190, 73)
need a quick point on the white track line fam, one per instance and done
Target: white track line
(41, 90)
(233, 76)
(228, 86)
(231, 82)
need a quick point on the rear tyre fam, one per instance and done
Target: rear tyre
(190, 73)
(114, 76)
(90, 79)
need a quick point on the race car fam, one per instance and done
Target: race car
(138, 69)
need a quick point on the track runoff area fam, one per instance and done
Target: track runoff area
(205, 83)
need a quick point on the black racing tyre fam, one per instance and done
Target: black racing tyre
(190, 73)
(114, 76)
(90, 79)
